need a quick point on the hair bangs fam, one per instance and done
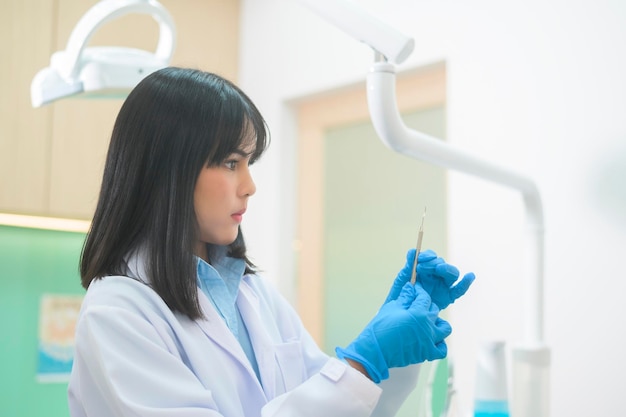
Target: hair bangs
(239, 126)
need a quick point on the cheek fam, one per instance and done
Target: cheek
(209, 195)
(206, 216)
(203, 203)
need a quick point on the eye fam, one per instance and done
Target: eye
(231, 164)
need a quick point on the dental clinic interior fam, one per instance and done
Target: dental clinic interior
(506, 119)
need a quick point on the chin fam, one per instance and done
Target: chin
(225, 241)
(222, 239)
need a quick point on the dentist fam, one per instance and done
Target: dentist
(176, 321)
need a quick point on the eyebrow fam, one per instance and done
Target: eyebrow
(243, 153)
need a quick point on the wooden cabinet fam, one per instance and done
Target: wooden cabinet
(51, 158)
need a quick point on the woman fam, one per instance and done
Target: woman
(175, 321)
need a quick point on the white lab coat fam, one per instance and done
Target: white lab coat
(134, 357)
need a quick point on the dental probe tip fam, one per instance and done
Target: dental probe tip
(418, 247)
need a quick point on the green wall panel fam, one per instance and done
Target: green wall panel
(373, 204)
(33, 262)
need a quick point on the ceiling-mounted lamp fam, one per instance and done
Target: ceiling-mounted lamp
(103, 71)
(350, 17)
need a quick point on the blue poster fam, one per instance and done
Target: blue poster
(57, 324)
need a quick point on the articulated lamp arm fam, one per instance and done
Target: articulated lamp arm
(531, 360)
(381, 86)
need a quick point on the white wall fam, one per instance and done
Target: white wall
(539, 86)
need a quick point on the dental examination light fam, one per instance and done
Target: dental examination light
(395, 46)
(105, 71)
(531, 359)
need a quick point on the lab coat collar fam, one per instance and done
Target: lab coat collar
(249, 307)
(216, 329)
(136, 265)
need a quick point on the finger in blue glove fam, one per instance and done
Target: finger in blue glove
(405, 273)
(437, 277)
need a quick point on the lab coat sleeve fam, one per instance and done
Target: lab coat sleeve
(396, 389)
(337, 389)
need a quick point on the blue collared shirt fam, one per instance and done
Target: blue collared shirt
(219, 281)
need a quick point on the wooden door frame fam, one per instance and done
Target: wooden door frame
(416, 90)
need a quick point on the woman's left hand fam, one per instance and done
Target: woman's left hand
(436, 276)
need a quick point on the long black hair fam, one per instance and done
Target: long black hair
(173, 123)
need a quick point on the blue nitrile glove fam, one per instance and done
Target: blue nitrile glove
(436, 276)
(405, 331)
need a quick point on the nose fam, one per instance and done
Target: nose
(247, 187)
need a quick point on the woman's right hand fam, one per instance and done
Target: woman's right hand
(405, 331)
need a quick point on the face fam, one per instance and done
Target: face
(221, 197)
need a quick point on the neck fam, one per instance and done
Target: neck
(201, 251)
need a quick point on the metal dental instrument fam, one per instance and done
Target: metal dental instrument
(418, 247)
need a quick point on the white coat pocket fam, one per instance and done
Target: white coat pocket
(290, 363)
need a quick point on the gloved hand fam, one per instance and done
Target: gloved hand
(405, 331)
(436, 276)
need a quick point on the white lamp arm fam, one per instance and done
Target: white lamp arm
(381, 94)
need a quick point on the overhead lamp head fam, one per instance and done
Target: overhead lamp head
(348, 16)
(103, 72)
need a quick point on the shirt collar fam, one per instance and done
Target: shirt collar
(220, 280)
(229, 269)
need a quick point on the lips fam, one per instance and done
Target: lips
(238, 216)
